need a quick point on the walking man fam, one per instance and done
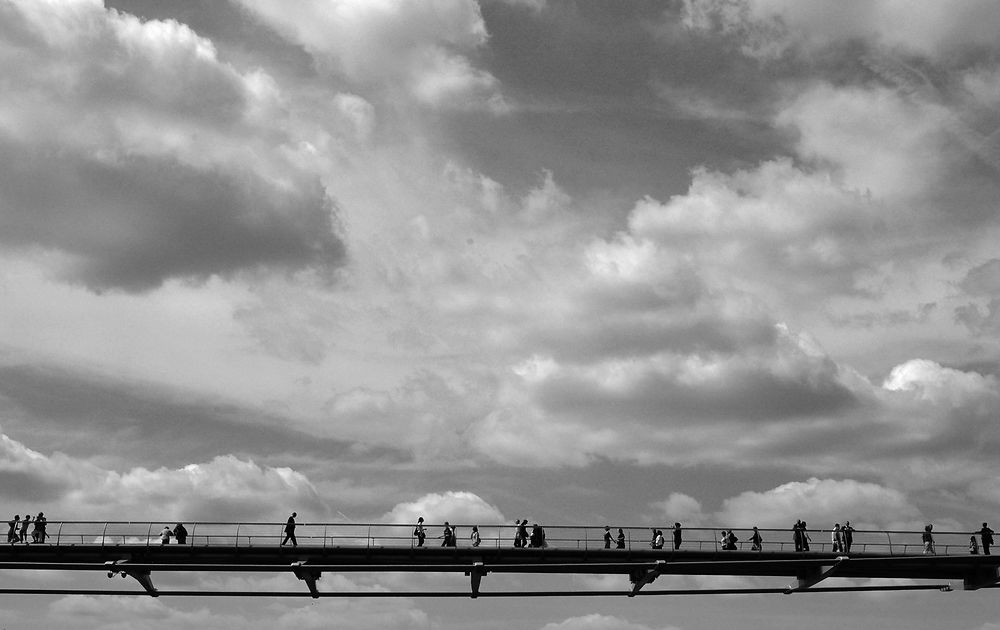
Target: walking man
(290, 531)
(987, 535)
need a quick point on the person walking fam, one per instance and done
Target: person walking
(12, 532)
(836, 538)
(180, 533)
(797, 535)
(621, 539)
(755, 539)
(805, 536)
(474, 536)
(607, 537)
(973, 545)
(24, 528)
(677, 536)
(448, 536)
(165, 535)
(290, 531)
(928, 539)
(38, 532)
(419, 532)
(848, 533)
(987, 535)
(522, 533)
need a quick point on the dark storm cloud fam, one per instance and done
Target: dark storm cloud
(135, 222)
(148, 426)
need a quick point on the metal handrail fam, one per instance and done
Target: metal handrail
(894, 542)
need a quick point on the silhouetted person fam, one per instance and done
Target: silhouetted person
(677, 536)
(836, 539)
(522, 533)
(607, 537)
(12, 536)
(755, 539)
(290, 531)
(474, 536)
(448, 536)
(180, 533)
(987, 535)
(805, 536)
(652, 539)
(537, 536)
(165, 535)
(973, 545)
(24, 528)
(928, 539)
(797, 535)
(848, 533)
(658, 540)
(419, 532)
(621, 539)
(38, 532)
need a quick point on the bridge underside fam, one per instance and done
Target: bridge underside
(642, 567)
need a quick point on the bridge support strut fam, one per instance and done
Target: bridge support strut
(142, 576)
(476, 573)
(982, 577)
(307, 575)
(642, 577)
(815, 575)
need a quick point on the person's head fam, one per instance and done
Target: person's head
(984, 525)
(607, 528)
(928, 528)
(475, 528)
(420, 520)
(677, 525)
(754, 528)
(621, 531)
(294, 514)
(17, 517)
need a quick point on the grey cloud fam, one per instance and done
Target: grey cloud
(135, 222)
(150, 426)
(750, 395)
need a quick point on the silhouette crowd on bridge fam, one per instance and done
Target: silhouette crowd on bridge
(841, 536)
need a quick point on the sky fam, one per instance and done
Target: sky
(723, 262)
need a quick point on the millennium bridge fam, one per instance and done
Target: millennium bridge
(135, 550)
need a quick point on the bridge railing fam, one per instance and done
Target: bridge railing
(353, 535)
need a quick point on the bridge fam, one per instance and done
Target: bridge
(134, 550)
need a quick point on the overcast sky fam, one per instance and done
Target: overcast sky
(724, 262)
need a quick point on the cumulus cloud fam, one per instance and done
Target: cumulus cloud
(454, 506)
(821, 502)
(125, 151)
(223, 489)
(929, 29)
(596, 621)
(381, 43)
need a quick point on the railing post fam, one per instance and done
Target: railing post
(59, 533)
(194, 526)
(368, 543)
(149, 533)
(238, 536)
(889, 537)
(324, 535)
(104, 535)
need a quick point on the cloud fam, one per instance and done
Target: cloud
(381, 43)
(223, 489)
(820, 502)
(596, 621)
(455, 506)
(135, 154)
(927, 29)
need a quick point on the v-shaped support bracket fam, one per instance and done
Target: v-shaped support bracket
(815, 575)
(142, 576)
(642, 577)
(307, 575)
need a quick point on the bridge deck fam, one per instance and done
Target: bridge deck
(142, 556)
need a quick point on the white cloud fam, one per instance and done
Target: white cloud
(820, 502)
(454, 506)
(382, 42)
(132, 151)
(597, 621)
